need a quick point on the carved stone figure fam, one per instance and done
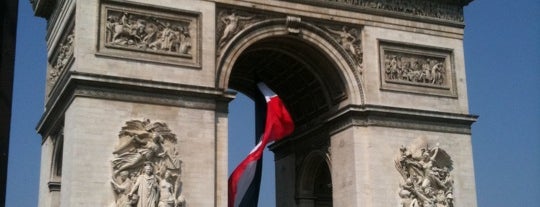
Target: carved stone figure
(350, 41)
(64, 54)
(146, 168)
(426, 176)
(147, 33)
(146, 187)
(231, 26)
(166, 197)
(122, 186)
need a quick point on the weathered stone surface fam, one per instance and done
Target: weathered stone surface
(360, 78)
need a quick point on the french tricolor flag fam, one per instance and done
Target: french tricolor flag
(278, 125)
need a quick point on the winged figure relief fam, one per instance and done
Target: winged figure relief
(426, 176)
(146, 149)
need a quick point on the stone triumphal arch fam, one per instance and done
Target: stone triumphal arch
(138, 91)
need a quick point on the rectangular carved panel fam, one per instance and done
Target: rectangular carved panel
(147, 33)
(417, 69)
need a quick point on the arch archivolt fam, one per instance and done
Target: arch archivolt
(346, 64)
(314, 182)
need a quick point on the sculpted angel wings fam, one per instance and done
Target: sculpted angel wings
(146, 166)
(426, 177)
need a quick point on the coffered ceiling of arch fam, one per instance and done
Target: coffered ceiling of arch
(304, 79)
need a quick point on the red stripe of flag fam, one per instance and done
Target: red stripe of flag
(278, 125)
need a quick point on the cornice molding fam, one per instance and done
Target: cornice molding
(128, 89)
(385, 116)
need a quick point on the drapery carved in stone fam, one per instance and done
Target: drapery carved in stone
(419, 8)
(426, 173)
(64, 55)
(350, 40)
(148, 33)
(414, 68)
(230, 22)
(146, 168)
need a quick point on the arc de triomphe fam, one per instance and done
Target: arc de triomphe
(137, 96)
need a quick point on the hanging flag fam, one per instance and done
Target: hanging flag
(278, 125)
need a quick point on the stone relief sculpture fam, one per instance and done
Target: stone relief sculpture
(146, 169)
(412, 68)
(64, 55)
(147, 33)
(230, 22)
(350, 40)
(421, 8)
(426, 176)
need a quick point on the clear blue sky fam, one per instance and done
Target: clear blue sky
(502, 49)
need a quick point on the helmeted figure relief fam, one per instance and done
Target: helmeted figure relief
(146, 169)
(426, 176)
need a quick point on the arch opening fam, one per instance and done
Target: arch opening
(310, 81)
(305, 79)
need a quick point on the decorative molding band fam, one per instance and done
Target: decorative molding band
(422, 10)
(149, 33)
(54, 186)
(383, 116)
(417, 69)
(131, 90)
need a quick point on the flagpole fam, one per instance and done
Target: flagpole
(254, 189)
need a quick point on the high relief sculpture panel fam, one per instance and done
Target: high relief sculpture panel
(62, 58)
(426, 176)
(417, 69)
(160, 35)
(146, 168)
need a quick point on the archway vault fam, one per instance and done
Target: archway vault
(307, 68)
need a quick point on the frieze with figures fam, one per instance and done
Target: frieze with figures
(417, 69)
(413, 68)
(426, 173)
(418, 8)
(163, 36)
(146, 168)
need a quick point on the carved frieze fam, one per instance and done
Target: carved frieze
(159, 35)
(62, 58)
(417, 69)
(426, 176)
(146, 168)
(417, 8)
